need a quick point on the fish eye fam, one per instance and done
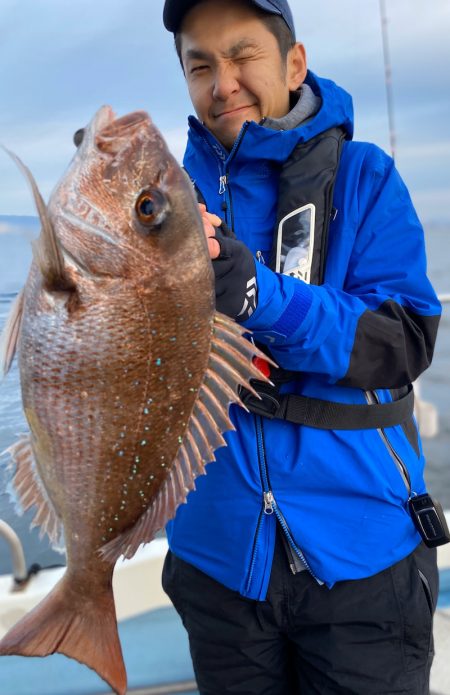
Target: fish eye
(151, 208)
(78, 137)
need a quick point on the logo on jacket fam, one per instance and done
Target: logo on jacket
(249, 305)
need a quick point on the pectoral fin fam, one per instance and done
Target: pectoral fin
(10, 334)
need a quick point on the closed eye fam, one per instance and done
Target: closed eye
(198, 68)
(244, 57)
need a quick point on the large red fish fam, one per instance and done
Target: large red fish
(127, 373)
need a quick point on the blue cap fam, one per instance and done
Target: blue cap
(175, 10)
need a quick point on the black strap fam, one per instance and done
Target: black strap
(328, 415)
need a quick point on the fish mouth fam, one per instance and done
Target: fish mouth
(104, 117)
(109, 135)
(84, 137)
(105, 130)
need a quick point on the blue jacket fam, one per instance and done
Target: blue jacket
(340, 496)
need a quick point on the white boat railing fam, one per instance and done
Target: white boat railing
(425, 412)
(19, 567)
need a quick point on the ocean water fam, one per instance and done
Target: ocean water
(15, 257)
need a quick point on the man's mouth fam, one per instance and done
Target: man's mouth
(233, 111)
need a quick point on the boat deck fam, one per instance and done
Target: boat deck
(156, 653)
(154, 642)
(157, 657)
(440, 673)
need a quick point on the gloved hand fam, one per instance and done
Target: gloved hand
(234, 268)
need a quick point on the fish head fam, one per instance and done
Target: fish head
(125, 208)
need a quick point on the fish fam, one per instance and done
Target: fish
(127, 375)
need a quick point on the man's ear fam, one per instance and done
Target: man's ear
(296, 67)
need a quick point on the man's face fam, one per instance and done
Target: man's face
(233, 67)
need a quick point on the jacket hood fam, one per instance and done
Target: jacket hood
(266, 143)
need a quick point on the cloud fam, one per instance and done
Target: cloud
(432, 205)
(47, 151)
(176, 140)
(426, 150)
(66, 59)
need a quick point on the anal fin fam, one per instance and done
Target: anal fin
(31, 491)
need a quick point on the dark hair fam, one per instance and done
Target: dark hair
(274, 23)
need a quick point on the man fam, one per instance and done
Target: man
(296, 566)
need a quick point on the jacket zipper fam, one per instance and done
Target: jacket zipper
(270, 507)
(372, 396)
(255, 550)
(224, 180)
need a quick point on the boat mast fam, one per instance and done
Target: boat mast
(388, 76)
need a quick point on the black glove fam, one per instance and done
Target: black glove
(236, 289)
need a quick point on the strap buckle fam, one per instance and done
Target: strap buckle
(269, 403)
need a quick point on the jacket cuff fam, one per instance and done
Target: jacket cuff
(283, 303)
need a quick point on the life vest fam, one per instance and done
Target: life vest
(305, 210)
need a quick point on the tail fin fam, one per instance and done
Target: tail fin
(71, 624)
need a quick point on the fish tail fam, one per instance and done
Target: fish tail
(81, 627)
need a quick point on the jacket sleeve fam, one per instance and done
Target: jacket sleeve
(379, 330)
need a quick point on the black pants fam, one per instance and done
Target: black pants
(364, 637)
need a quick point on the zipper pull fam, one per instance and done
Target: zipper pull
(260, 257)
(223, 184)
(268, 503)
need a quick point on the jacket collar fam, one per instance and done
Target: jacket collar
(257, 142)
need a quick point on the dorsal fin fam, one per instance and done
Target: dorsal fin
(30, 491)
(230, 366)
(10, 334)
(46, 249)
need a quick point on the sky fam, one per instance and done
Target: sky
(61, 60)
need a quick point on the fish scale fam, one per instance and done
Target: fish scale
(127, 373)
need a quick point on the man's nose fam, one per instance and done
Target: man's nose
(226, 82)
